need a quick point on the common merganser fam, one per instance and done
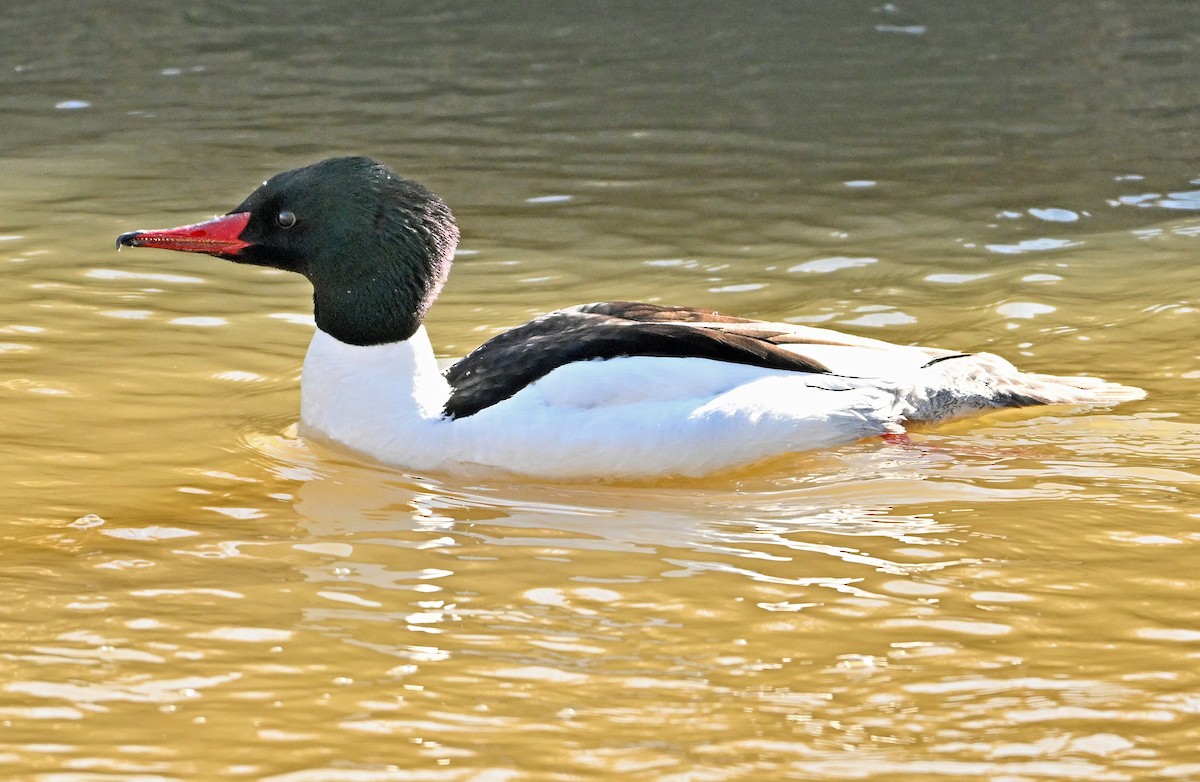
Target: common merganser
(605, 390)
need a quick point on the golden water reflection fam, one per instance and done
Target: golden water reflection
(582, 612)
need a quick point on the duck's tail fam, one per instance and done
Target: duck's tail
(955, 386)
(1078, 390)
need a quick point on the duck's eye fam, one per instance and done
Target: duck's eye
(286, 219)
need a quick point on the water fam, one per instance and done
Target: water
(191, 592)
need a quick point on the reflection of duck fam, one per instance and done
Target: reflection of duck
(684, 391)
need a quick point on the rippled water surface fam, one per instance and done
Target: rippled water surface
(192, 592)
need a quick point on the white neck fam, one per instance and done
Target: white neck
(377, 398)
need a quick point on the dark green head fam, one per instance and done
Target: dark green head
(376, 248)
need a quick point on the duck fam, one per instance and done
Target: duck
(607, 390)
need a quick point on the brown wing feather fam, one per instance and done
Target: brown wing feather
(656, 313)
(775, 333)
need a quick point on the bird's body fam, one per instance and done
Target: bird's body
(613, 389)
(628, 417)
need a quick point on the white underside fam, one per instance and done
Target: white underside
(624, 417)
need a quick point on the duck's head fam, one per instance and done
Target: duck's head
(376, 248)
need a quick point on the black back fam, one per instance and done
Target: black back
(507, 363)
